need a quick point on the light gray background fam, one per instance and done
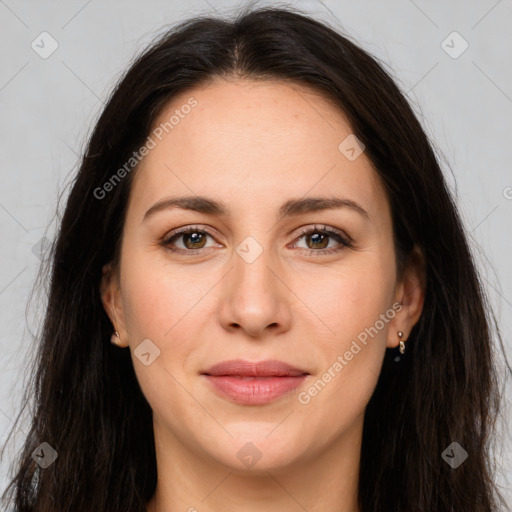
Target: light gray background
(49, 105)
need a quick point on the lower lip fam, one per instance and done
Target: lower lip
(256, 390)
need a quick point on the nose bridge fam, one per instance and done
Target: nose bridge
(253, 263)
(256, 297)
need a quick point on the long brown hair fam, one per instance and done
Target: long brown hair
(88, 404)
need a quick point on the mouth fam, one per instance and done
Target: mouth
(249, 383)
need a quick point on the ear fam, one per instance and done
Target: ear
(410, 294)
(112, 303)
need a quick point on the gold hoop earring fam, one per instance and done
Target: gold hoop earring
(402, 342)
(115, 339)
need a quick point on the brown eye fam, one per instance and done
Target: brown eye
(317, 240)
(194, 240)
(191, 239)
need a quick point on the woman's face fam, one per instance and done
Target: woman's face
(257, 278)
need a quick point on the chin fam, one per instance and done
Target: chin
(257, 447)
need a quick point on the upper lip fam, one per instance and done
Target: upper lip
(268, 368)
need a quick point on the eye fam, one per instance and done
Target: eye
(193, 240)
(319, 238)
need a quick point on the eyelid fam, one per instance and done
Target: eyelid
(321, 228)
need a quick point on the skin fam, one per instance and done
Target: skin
(254, 145)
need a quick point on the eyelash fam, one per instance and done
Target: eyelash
(344, 240)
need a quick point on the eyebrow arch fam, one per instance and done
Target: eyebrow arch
(292, 207)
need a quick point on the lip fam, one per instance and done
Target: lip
(254, 383)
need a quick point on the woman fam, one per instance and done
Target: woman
(261, 229)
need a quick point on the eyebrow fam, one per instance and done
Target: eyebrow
(292, 207)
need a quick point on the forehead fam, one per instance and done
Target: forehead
(253, 141)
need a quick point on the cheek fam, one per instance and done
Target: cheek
(167, 305)
(150, 302)
(163, 306)
(354, 310)
(157, 295)
(344, 302)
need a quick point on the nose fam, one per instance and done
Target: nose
(255, 297)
